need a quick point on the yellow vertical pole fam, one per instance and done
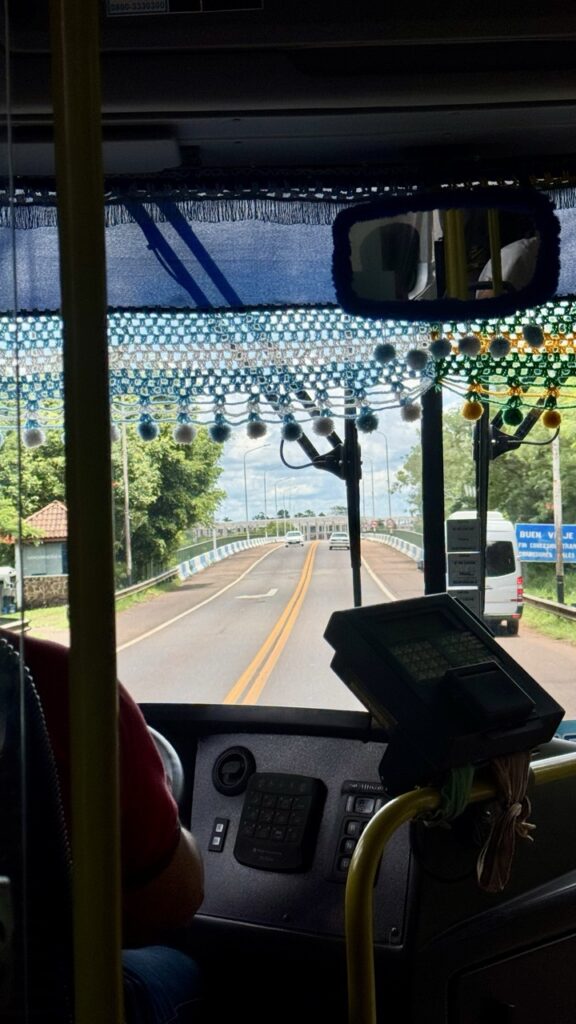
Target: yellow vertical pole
(455, 255)
(93, 692)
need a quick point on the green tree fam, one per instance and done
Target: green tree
(458, 468)
(40, 479)
(520, 480)
(171, 487)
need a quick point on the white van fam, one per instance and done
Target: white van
(504, 586)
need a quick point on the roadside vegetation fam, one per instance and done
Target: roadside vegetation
(520, 488)
(45, 621)
(171, 487)
(520, 480)
(549, 624)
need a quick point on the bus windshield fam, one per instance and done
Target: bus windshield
(232, 426)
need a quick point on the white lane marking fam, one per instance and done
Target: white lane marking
(182, 615)
(389, 594)
(254, 597)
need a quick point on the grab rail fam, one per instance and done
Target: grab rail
(362, 873)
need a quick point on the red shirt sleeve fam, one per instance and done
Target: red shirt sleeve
(148, 812)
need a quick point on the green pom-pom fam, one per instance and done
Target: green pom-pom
(367, 421)
(499, 347)
(533, 335)
(512, 416)
(469, 345)
(440, 349)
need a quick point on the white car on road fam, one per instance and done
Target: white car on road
(293, 537)
(339, 540)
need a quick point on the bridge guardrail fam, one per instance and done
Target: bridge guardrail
(200, 562)
(411, 550)
(565, 611)
(193, 565)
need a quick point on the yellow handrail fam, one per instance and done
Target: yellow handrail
(93, 691)
(362, 873)
(455, 255)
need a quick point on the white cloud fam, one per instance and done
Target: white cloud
(309, 488)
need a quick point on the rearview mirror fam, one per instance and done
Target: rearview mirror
(458, 253)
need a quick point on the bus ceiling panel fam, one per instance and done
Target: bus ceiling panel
(124, 151)
(434, 145)
(384, 136)
(295, 142)
(160, 84)
(301, 24)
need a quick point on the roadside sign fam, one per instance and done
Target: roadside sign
(463, 534)
(537, 543)
(469, 597)
(463, 569)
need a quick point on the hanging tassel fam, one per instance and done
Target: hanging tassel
(494, 864)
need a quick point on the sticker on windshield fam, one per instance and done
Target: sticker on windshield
(136, 7)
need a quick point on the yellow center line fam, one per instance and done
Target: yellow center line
(264, 673)
(233, 696)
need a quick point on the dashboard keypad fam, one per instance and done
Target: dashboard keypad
(279, 821)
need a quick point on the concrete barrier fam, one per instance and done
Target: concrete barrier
(201, 562)
(404, 546)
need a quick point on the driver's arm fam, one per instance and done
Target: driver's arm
(163, 879)
(169, 899)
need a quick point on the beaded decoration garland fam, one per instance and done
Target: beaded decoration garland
(252, 368)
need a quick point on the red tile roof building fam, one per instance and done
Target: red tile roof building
(51, 521)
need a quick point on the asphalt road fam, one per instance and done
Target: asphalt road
(207, 651)
(250, 630)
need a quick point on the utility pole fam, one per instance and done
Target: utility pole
(127, 535)
(558, 519)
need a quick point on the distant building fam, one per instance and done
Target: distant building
(45, 560)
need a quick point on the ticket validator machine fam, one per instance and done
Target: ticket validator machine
(446, 692)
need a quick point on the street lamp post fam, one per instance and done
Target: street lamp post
(387, 473)
(249, 452)
(371, 488)
(372, 485)
(276, 507)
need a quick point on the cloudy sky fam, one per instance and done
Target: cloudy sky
(271, 485)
